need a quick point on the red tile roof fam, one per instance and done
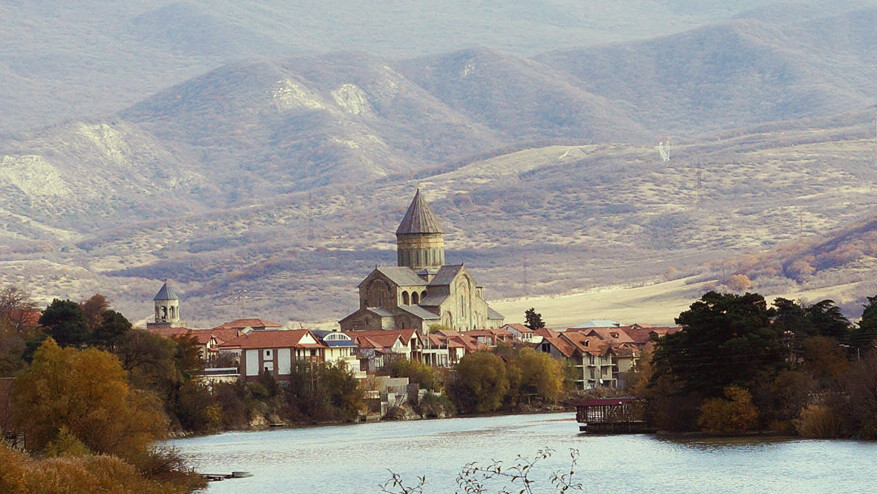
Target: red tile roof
(585, 343)
(273, 338)
(250, 323)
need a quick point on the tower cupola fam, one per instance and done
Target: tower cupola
(167, 308)
(419, 238)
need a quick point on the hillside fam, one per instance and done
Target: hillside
(96, 57)
(538, 221)
(271, 185)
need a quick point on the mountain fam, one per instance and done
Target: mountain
(738, 73)
(97, 57)
(270, 185)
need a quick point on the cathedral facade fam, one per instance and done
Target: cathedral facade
(421, 291)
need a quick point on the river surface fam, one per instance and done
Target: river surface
(357, 458)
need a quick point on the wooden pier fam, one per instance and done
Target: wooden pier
(216, 477)
(612, 416)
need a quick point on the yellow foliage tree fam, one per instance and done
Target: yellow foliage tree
(733, 415)
(539, 374)
(86, 393)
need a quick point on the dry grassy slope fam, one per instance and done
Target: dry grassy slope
(541, 221)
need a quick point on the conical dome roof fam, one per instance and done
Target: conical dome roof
(419, 218)
(165, 293)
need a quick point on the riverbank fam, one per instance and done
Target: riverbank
(344, 459)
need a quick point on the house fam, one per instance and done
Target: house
(490, 337)
(274, 352)
(591, 357)
(251, 324)
(340, 349)
(375, 348)
(520, 332)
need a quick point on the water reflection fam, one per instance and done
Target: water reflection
(356, 459)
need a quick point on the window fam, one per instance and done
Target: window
(405, 300)
(266, 354)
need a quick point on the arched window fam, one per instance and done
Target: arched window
(422, 295)
(172, 312)
(164, 312)
(415, 299)
(405, 300)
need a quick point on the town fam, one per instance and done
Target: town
(424, 343)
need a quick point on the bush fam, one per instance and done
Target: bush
(422, 374)
(819, 421)
(82, 474)
(432, 405)
(733, 415)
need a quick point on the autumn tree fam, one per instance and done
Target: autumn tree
(536, 375)
(16, 328)
(732, 414)
(86, 392)
(479, 383)
(94, 308)
(424, 375)
(16, 311)
(861, 384)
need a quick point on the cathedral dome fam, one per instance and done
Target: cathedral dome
(419, 218)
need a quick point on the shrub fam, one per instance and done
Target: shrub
(733, 415)
(819, 421)
(432, 405)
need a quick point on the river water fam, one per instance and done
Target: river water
(357, 458)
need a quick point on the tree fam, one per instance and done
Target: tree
(16, 311)
(533, 319)
(863, 337)
(87, 392)
(94, 309)
(149, 358)
(726, 339)
(422, 374)
(537, 374)
(861, 383)
(112, 327)
(479, 383)
(16, 327)
(791, 316)
(738, 282)
(828, 320)
(66, 323)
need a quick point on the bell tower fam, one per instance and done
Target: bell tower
(419, 238)
(167, 309)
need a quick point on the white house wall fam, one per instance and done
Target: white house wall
(284, 361)
(252, 359)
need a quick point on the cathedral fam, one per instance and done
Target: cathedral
(421, 291)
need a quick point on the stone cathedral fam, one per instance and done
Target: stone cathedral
(421, 291)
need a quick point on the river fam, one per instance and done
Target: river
(357, 458)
